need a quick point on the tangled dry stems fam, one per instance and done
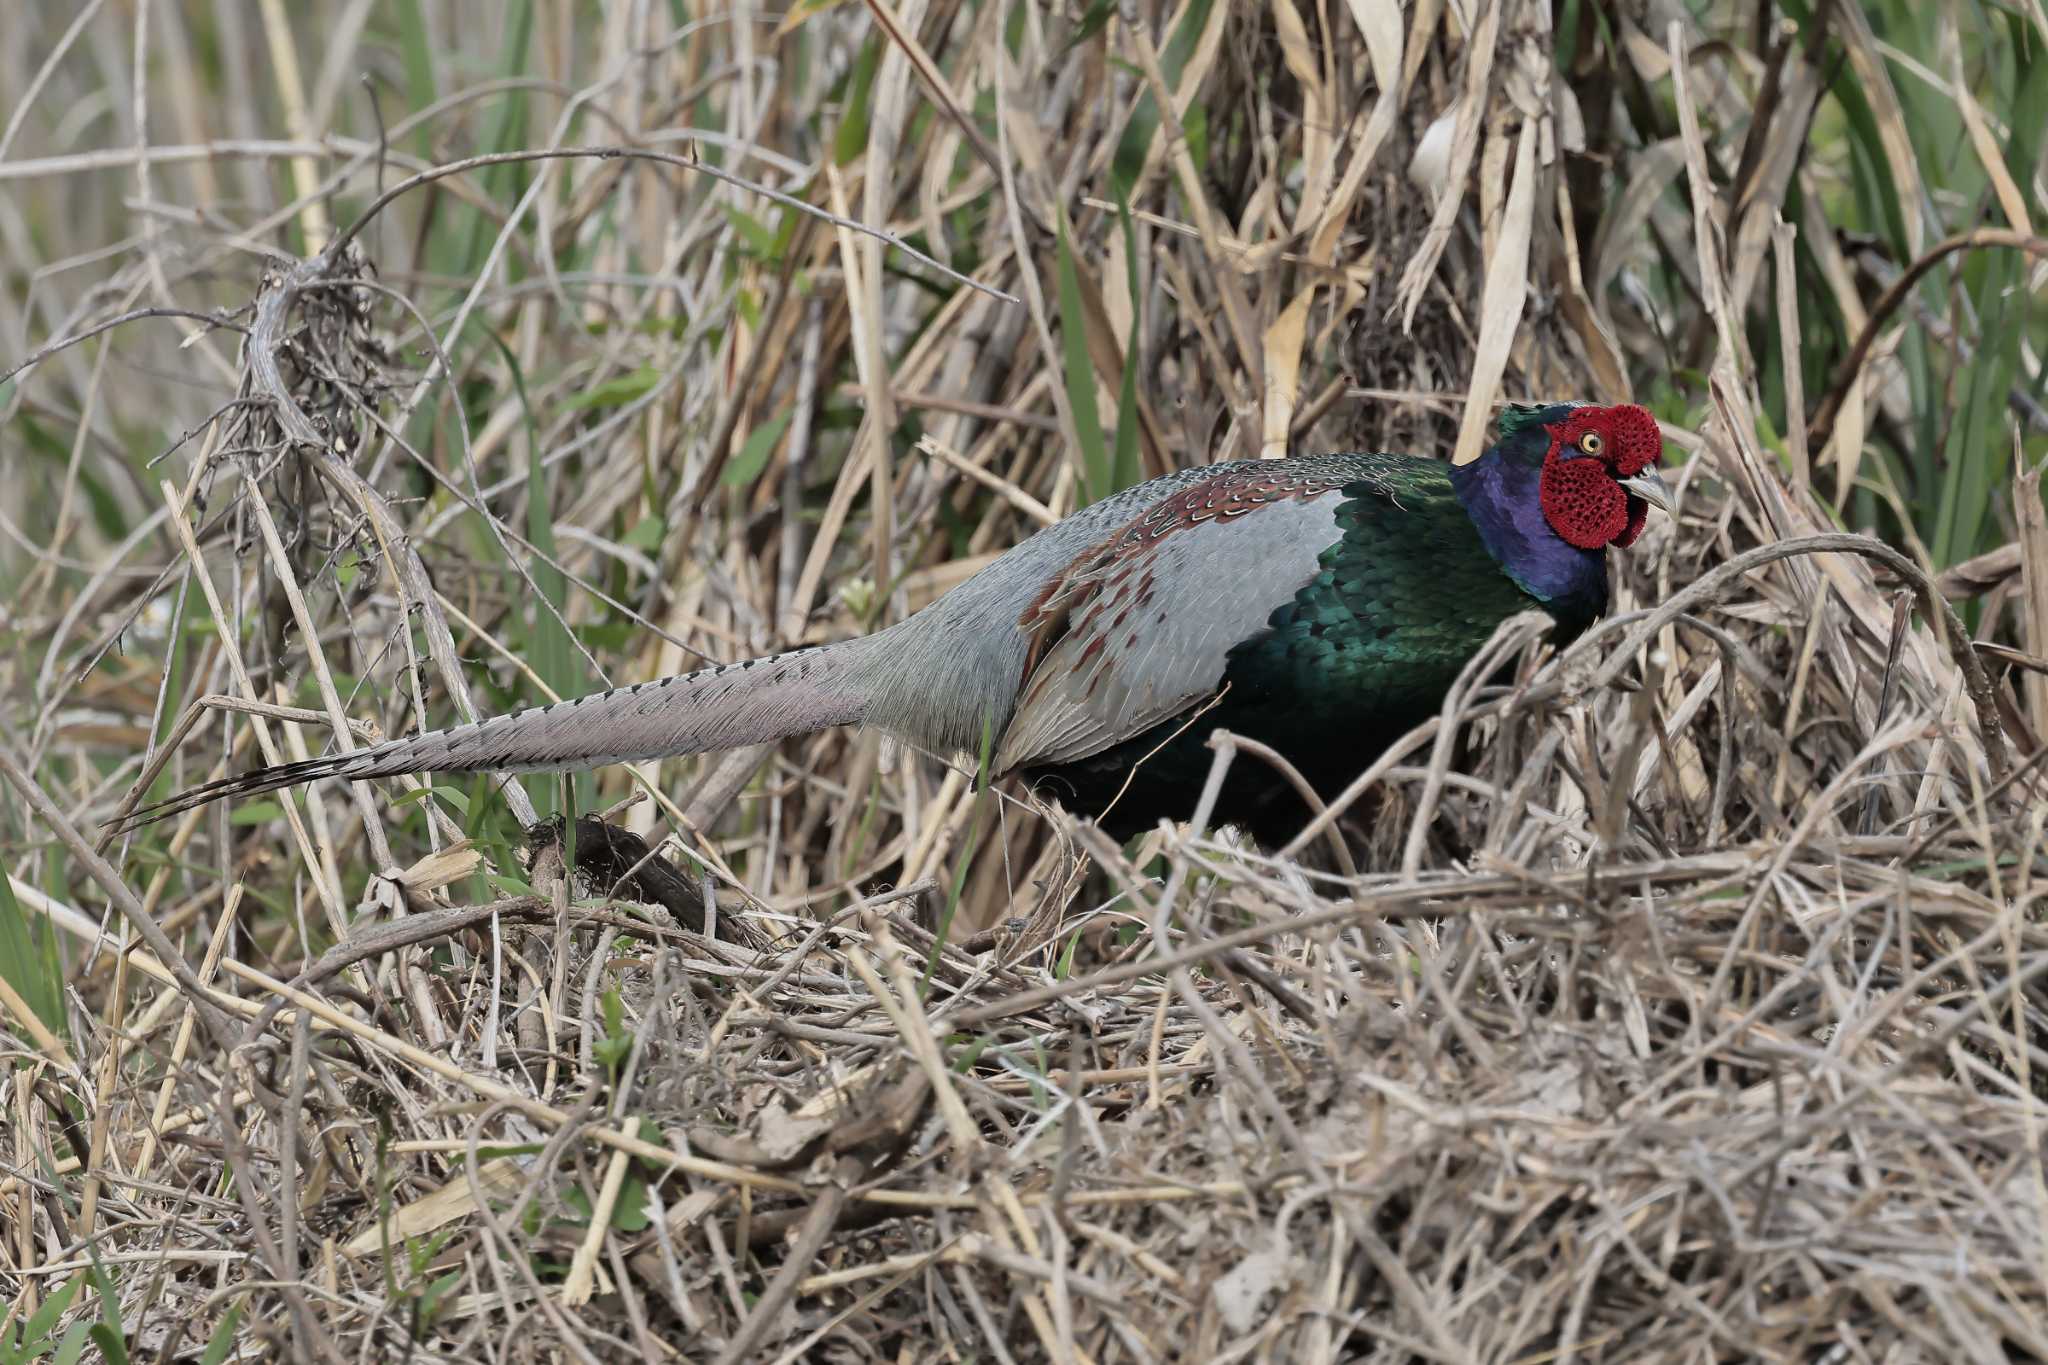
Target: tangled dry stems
(1681, 1053)
(1686, 1008)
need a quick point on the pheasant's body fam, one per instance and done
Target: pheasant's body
(1369, 635)
(1322, 605)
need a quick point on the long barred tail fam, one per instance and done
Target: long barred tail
(714, 708)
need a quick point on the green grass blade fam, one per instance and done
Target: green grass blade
(1126, 469)
(975, 830)
(29, 962)
(1144, 122)
(416, 50)
(1096, 475)
(502, 184)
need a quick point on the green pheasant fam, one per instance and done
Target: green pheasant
(1322, 605)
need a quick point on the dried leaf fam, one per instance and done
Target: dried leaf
(2011, 201)
(1873, 78)
(1241, 1294)
(2033, 553)
(501, 1177)
(1981, 573)
(1283, 373)
(1501, 302)
(1380, 22)
(442, 868)
(1464, 145)
(1319, 113)
(1765, 192)
(933, 80)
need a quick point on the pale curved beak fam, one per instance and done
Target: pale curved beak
(1646, 485)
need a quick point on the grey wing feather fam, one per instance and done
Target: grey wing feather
(1151, 632)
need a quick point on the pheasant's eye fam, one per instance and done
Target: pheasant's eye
(1591, 443)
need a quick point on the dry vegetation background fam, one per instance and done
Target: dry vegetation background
(1694, 1017)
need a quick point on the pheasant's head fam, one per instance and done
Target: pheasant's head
(1564, 482)
(1599, 477)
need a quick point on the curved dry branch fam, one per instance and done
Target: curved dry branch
(215, 319)
(1888, 303)
(428, 177)
(1711, 584)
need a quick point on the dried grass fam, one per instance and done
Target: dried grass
(1687, 1006)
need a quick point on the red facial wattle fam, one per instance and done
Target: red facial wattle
(1590, 451)
(1638, 517)
(1582, 502)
